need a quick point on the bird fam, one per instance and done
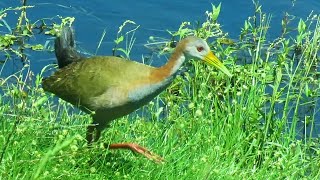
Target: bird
(110, 87)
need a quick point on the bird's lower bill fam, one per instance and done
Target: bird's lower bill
(211, 59)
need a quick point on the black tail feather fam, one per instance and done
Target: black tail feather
(64, 46)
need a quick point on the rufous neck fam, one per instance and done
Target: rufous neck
(170, 69)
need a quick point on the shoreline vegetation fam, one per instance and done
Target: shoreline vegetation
(261, 124)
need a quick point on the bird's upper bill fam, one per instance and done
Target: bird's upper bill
(211, 59)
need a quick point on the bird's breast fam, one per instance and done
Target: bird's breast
(146, 92)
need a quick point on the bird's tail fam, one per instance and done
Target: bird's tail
(64, 46)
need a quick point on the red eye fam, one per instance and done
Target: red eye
(200, 49)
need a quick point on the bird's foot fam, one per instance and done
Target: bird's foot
(139, 149)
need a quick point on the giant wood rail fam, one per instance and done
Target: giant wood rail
(110, 87)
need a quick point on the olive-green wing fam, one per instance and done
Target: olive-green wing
(81, 82)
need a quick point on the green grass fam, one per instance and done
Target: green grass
(261, 124)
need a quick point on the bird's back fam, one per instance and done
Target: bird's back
(97, 81)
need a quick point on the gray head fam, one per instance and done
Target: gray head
(198, 48)
(195, 47)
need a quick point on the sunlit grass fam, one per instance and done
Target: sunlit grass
(260, 124)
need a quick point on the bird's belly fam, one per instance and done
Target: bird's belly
(104, 116)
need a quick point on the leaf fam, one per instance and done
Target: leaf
(307, 90)
(215, 12)
(40, 102)
(301, 26)
(37, 47)
(226, 41)
(119, 40)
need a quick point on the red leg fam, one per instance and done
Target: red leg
(137, 148)
(93, 134)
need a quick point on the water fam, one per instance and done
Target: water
(154, 18)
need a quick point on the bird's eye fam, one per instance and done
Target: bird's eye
(200, 49)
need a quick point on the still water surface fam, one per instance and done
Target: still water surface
(154, 18)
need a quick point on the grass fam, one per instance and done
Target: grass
(261, 124)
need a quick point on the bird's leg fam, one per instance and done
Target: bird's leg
(89, 137)
(136, 148)
(93, 134)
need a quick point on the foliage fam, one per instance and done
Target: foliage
(129, 37)
(14, 44)
(260, 124)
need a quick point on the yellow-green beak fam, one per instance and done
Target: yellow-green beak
(211, 59)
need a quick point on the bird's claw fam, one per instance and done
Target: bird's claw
(138, 149)
(145, 152)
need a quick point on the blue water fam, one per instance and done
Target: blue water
(154, 18)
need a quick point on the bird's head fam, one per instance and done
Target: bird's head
(198, 48)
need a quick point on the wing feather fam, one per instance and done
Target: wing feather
(96, 79)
